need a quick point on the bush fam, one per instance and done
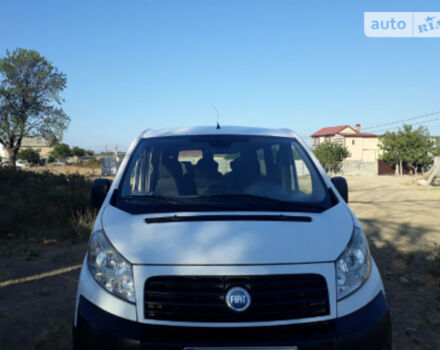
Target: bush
(61, 152)
(93, 162)
(44, 204)
(77, 151)
(29, 155)
(331, 156)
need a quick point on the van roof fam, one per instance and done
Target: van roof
(212, 130)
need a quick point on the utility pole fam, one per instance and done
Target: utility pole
(116, 153)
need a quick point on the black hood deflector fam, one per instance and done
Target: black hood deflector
(189, 218)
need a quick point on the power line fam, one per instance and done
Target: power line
(385, 129)
(381, 126)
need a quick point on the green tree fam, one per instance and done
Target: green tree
(411, 147)
(436, 150)
(77, 151)
(393, 150)
(61, 152)
(331, 155)
(29, 155)
(30, 102)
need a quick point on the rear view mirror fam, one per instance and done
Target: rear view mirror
(342, 186)
(100, 188)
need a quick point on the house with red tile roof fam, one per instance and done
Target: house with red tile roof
(362, 146)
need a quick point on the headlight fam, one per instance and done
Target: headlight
(109, 268)
(354, 265)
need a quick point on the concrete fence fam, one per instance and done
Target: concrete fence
(357, 167)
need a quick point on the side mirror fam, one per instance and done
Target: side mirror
(100, 188)
(342, 186)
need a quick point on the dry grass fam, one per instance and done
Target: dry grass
(85, 170)
(44, 204)
(83, 222)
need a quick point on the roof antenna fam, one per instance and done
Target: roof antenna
(218, 115)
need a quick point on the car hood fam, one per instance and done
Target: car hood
(232, 242)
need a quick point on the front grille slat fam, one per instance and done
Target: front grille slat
(202, 298)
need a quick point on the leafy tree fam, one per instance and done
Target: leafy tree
(30, 102)
(61, 152)
(393, 150)
(29, 155)
(420, 147)
(436, 150)
(331, 155)
(77, 151)
(411, 147)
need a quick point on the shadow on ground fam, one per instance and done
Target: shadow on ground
(410, 269)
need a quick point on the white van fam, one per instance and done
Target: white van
(227, 238)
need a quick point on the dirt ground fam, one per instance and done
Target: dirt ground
(401, 220)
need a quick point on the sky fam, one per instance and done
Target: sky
(303, 65)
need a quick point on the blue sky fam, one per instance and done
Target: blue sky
(304, 65)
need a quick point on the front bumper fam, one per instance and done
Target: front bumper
(368, 328)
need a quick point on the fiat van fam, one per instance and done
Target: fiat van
(227, 238)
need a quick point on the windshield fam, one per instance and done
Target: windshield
(232, 172)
